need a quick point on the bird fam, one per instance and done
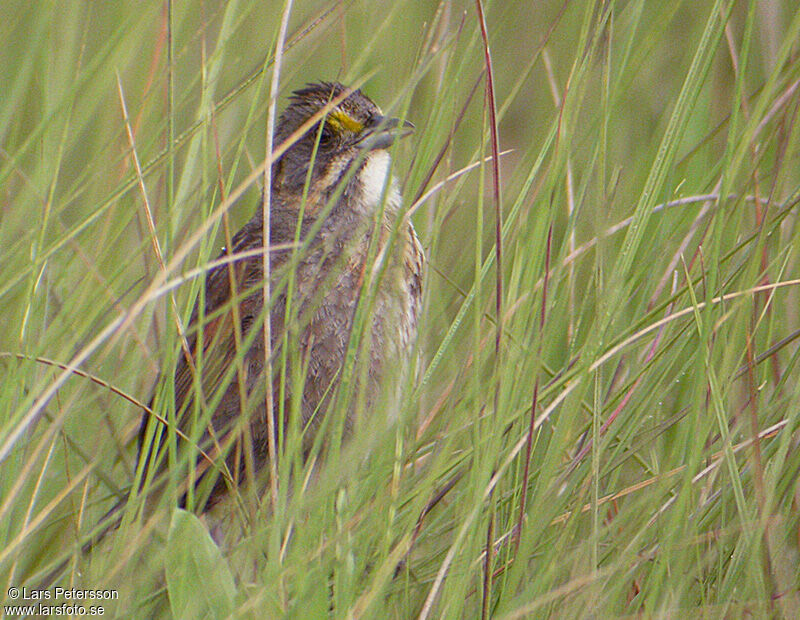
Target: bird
(340, 239)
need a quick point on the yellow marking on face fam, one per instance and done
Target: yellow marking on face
(340, 122)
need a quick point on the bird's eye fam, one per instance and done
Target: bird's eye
(327, 136)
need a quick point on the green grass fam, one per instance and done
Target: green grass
(640, 413)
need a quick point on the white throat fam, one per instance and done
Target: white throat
(374, 177)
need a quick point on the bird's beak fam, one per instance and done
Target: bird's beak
(383, 131)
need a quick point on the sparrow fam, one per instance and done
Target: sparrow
(338, 241)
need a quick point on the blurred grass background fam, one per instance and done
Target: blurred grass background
(644, 425)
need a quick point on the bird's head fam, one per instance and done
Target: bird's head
(350, 133)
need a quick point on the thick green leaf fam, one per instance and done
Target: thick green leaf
(199, 583)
